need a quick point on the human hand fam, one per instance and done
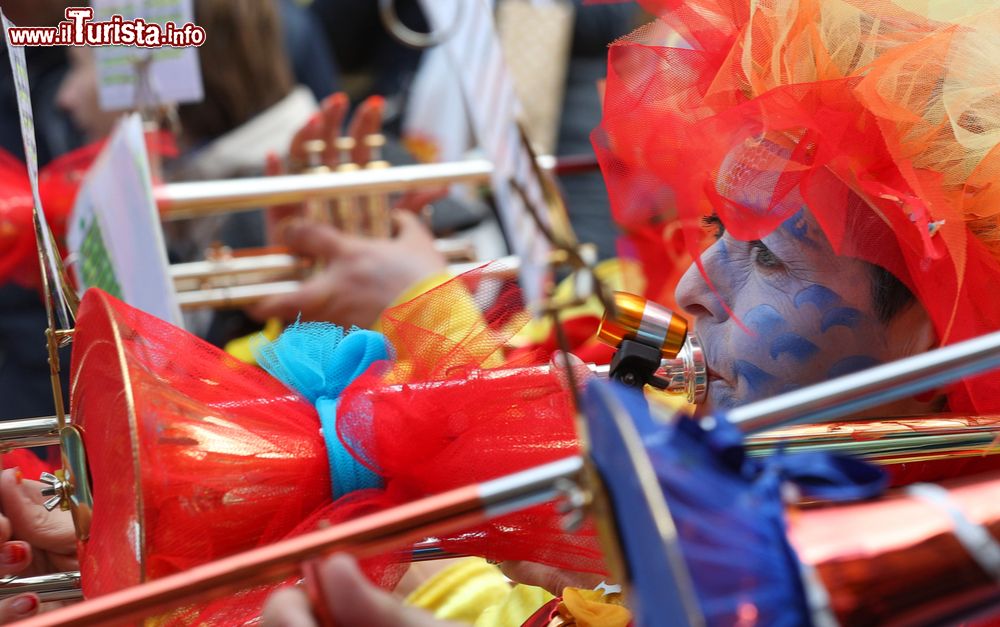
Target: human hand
(350, 598)
(33, 541)
(357, 277)
(326, 124)
(549, 578)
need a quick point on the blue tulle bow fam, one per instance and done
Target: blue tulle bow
(727, 509)
(319, 360)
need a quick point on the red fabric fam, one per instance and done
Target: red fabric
(58, 183)
(939, 470)
(213, 457)
(581, 335)
(217, 457)
(749, 109)
(30, 465)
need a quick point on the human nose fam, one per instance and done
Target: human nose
(695, 295)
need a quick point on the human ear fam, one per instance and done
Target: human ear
(911, 331)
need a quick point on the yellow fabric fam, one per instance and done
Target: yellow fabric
(592, 608)
(617, 274)
(462, 591)
(240, 347)
(517, 607)
(420, 287)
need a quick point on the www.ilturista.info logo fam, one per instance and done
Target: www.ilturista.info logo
(79, 29)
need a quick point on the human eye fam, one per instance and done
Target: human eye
(714, 225)
(763, 257)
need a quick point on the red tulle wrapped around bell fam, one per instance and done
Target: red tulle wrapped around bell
(195, 455)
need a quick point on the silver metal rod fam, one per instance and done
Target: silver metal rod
(28, 432)
(52, 587)
(872, 387)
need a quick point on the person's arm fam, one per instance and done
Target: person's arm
(350, 599)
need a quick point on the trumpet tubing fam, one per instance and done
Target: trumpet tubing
(178, 201)
(242, 280)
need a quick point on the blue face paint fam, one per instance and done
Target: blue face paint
(801, 315)
(798, 227)
(758, 380)
(851, 364)
(820, 296)
(723, 251)
(795, 345)
(764, 319)
(840, 316)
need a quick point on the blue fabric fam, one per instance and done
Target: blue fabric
(727, 509)
(319, 360)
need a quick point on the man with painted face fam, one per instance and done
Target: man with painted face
(786, 311)
(828, 167)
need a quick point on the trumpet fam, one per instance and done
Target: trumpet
(181, 201)
(360, 207)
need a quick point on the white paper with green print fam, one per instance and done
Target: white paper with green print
(115, 235)
(173, 74)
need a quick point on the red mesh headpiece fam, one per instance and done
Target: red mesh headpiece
(881, 116)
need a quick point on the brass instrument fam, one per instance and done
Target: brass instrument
(359, 206)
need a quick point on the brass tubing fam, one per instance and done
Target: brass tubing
(179, 201)
(240, 295)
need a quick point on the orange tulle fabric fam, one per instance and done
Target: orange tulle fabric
(880, 116)
(195, 455)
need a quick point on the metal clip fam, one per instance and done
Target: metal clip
(572, 504)
(56, 490)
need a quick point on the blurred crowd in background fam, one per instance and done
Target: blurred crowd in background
(270, 68)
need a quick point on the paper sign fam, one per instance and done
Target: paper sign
(131, 77)
(42, 231)
(477, 59)
(114, 230)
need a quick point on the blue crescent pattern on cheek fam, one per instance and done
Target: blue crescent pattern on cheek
(822, 297)
(854, 363)
(757, 379)
(795, 345)
(840, 316)
(764, 319)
